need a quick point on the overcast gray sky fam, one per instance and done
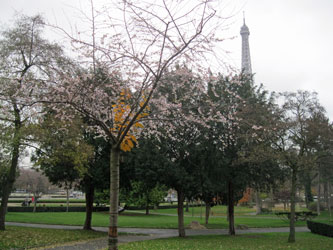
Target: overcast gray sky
(290, 40)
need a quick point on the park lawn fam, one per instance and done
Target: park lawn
(200, 210)
(220, 210)
(161, 221)
(324, 217)
(306, 241)
(138, 220)
(23, 237)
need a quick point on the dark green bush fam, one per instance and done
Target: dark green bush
(49, 200)
(320, 228)
(55, 209)
(313, 206)
(266, 210)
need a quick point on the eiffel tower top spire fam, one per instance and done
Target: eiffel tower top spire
(246, 58)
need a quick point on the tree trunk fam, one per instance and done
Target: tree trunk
(307, 189)
(258, 202)
(329, 199)
(35, 202)
(291, 238)
(114, 198)
(147, 203)
(231, 208)
(67, 199)
(187, 206)
(318, 194)
(180, 210)
(89, 193)
(326, 195)
(7, 188)
(207, 212)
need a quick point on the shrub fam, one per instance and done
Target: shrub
(266, 210)
(313, 206)
(320, 228)
(48, 200)
(55, 209)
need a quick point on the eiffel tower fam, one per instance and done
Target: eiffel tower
(246, 58)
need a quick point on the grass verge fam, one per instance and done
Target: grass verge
(304, 241)
(24, 238)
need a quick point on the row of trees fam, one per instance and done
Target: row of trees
(254, 143)
(174, 123)
(139, 41)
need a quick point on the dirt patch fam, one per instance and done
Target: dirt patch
(242, 227)
(196, 225)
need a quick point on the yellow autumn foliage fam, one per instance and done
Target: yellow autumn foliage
(121, 112)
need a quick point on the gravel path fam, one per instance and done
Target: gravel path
(150, 234)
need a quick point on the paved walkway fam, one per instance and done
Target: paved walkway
(150, 234)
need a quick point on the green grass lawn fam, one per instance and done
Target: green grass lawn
(324, 217)
(215, 211)
(304, 241)
(159, 218)
(219, 211)
(139, 220)
(23, 238)
(198, 211)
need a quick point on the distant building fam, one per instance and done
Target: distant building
(172, 196)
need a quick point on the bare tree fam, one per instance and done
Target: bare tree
(27, 63)
(133, 43)
(294, 141)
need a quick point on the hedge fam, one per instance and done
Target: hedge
(159, 207)
(150, 207)
(320, 228)
(55, 209)
(49, 201)
(76, 209)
